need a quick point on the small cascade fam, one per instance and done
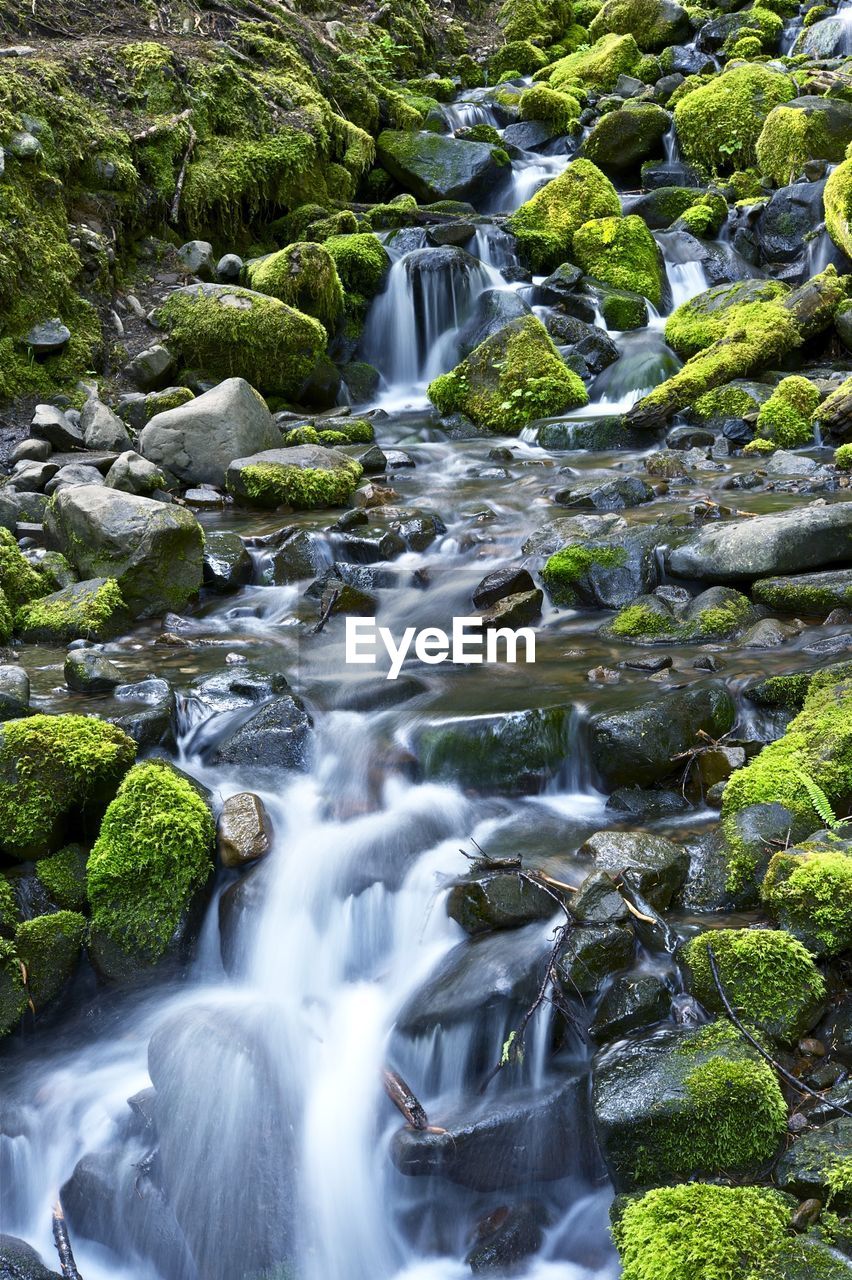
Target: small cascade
(686, 274)
(645, 361)
(671, 147)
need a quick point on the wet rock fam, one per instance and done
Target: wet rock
(630, 1004)
(19, 1261)
(516, 611)
(434, 167)
(768, 633)
(239, 687)
(198, 440)
(370, 545)
(305, 477)
(498, 900)
(14, 692)
(500, 1144)
(659, 866)
(591, 955)
(227, 563)
(606, 571)
(620, 140)
(644, 805)
(781, 543)
(297, 553)
(597, 901)
(492, 311)
(91, 671)
(501, 583)
(147, 712)
(278, 736)
(103, 429)
(87, 610)
(807, 594)
(152, 549)
(48, 338)
(791, 214)
(607, 495)
(642, 744)
(244, 831)
(806, 1167)
(515, 752)
(506, 1237)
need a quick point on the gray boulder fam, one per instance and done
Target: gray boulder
(14, 692)
(90, 671)
(784, 542)
(436, 167)
(278, 736)
(227, 563)
(133, 474)
(103, 429)
(659, 866)
(492, 311)
(153, 549)
(198, 440)
(19, 1261)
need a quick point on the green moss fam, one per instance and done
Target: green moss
(620, 252)
(162, 401)
(760, 446)
(810, 894)
(843, 457)
(701, 1232)
(598, 67)
(705, 216)
(238, 333)
(305, 277)
(362, 262)
(718, 124)
(740, 1114)
(768, 976)
(651, 25)
(301, 435)
(480, 133)
(271, 484)
(725, 402)
(640, 620)
(519, 56)
(49, 947)
(539, 20)
(791, 137)
(551, 106)
(153, 854)
(838, 206)
(10, 916)
(13, 995)
(63, 875)
(63, 617)
(711, 315)
(6, 620)
(52, 767)
(567, 566)
(781, 693)
(785, 418)
(509, 380)
(18, 579)
(545, 226)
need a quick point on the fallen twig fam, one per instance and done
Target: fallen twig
(767, 1057)
(403, 1098)
(161, 126)
(326, 613)
(190, 147)
(63, 1244)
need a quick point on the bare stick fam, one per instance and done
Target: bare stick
(190, 147)
(785, 1075)
(63, 1244)
(326, 613)
(404, 1099)
(162, 126)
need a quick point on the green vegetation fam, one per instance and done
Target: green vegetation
(13, 994)
(305, 277)
(551, 106)
(810, 894)
(838, 206)
(791, 136)
(621, 252)
(785, 418)
(597, 67)
(565, 569)
(717, 313)
(63, 875)
(49, 947)
(275, 484)
(718, 124)
(843, 457)
(72, 614)
(545, 226)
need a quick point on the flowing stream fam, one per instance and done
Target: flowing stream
(269, 1075)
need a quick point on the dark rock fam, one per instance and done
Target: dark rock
(658, 865)
(433, 167)
(149, 717)
(505, 1238)
(790, 215)
(90, 671)
(227, 563)
(14, 692)
(515, 752)
(805, 1168)
(501, 583)
(47, 339)
(597, 901)
(515, 611)
(590, 955)
(606, 495)
(498, 900)
(278, 736)
(492, 311)
(630, 1004)
(18, 1261)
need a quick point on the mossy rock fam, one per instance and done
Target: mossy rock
(732, 400)
(13, 994)
(785, 418)
(541, 21)
(49, 948)
(716, 614)
(54, 769)
(63, 876)
(90, 610)
(807, 595)
(718, 124)
(362, 262)
(305, 277)
(231, 332)
(10, 912)
(306, 477)
(654, 25)
(711, 315)
(509, 380)
(545, 226)
(807, 128)
(818, 1165)
(433, 166)
(620, 140)
(515, 752)
(838, 206)
(153, 856)
(19, 581)
(518, 56)
(769, 978)
(680, 1104)
(550, 106)
(597, 67)
(808, 890)
(621, 252)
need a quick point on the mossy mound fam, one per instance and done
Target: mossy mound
(654, 25)
(550, 106)
(809, 893)
(716, 614)
(521, 57)
(623, 253)
(91, 610)
(19, 581)
(13, 993)
(597, 67)
(53, 768)
(508, 381)
(719, 123)
(305, 277)
(306, 477)
(713, 314)
(545, 226)
(565, 571)
(49, 948)
(804, 129)
(785, 418)
(838, 206)
(767, 975)
(362, 262)
(700, 1232)
(541, 21)
(63, 875)
(232, 332)
(153, 855)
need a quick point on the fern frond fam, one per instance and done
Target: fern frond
(819, 800)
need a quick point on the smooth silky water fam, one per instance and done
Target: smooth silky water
(274, 1070)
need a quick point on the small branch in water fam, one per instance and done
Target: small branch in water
(63, 1244)
(326, 613)
(404, 1099)
(767, 1057)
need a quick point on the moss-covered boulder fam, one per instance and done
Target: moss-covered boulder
(229, 332)
(63, 877)
(818, 1165)
(550, 106)
(513, 752)
(19, 581)
(713, 314)
(838, 206)
(620, 140)
(56, 772)
(681, 1104)
(153, 856)
(785, 418)
(803, 129)
(653, 25)
(697, 1231)
(541, 21)
(544, 227)
(305, 477)
(597, 67)
(305, 277)
(153, 550)
(361, 260)
(718, 124)
(719, 613)
(806, 595)
(623, 253)
(13, 993)
(808, 890)
(769, 978)
(433, 166)
(780, 542)
(509, 380)
(49, 947)
(89, 610)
